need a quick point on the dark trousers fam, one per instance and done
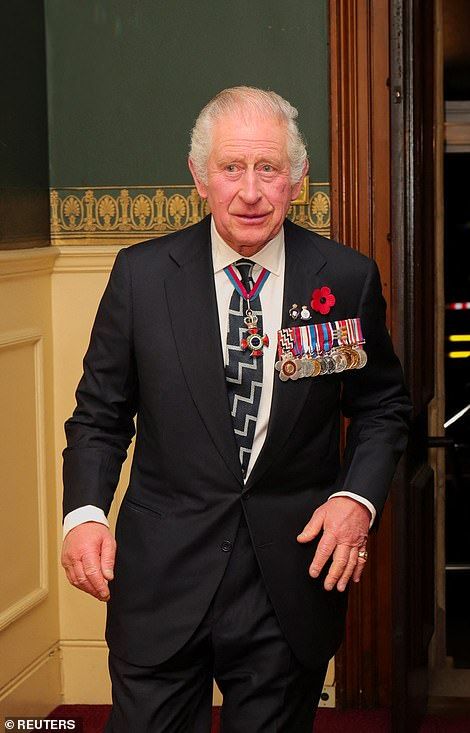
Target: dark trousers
(240, 644)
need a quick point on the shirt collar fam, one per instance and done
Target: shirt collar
(268, 257)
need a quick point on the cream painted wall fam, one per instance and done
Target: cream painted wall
(78, 281)
(29, 610)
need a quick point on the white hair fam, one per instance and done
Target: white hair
(246, 100)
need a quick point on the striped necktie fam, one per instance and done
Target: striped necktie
(243, 372)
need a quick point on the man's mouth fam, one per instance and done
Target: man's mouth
(251, 218)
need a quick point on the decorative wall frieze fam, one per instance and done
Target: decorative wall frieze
(123, 215)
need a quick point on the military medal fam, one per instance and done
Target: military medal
(316, 368)
(253, 340)
(308, 367)
(353, 357)
(362, 358)
(320, 349)
(341, 363)
(307, 347)
(327, 365)
(288, 367)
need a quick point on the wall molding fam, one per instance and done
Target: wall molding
(36, 689)
(85, 258)
(10, 340)
(83, 643)
(26, 262)
(28, 671)
(118, 215)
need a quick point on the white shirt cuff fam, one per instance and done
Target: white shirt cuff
(361, 500)
(88, 513)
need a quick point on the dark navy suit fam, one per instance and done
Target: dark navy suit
(155, 351)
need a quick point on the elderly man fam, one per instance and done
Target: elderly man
(237, 343)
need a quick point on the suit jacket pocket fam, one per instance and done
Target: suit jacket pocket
(137, 506)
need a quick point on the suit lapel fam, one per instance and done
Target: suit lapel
(302, 267)
(192, 303)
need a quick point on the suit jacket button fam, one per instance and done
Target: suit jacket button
(226, 546)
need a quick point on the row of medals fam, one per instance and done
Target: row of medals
(335, 361)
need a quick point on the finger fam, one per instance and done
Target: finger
(338, 566)
(324, 551)
(79, 573)
(359, 569)
(349, 569)
(92, 568)
(313, 527)
(70, 573)
(108, 553)
(84, 585)
(81, 581)
(76, 577)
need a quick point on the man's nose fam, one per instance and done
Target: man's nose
(250, 191)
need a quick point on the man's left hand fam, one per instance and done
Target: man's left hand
(345, 524)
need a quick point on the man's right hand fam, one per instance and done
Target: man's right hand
(88, 556)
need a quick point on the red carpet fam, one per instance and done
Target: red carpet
(328, 721)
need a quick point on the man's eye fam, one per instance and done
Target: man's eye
(267, 168)
(231, 168)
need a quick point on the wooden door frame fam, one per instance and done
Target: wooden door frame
(361, 218)
(413, 176)
(382, 173)
(437, 456)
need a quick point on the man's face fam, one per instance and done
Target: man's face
(248, 180)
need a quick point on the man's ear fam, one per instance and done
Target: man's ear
(297, 186)
(201, 187)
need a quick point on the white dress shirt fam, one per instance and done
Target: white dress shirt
(271, 257)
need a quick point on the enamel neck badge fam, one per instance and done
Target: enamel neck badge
(253, 340)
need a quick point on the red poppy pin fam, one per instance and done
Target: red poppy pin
(322, 300)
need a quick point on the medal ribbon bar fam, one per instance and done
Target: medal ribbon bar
(319, 337)
(320, 348)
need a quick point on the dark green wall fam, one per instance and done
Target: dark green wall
(24, 169)
(127, 78)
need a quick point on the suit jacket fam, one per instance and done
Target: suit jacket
(155, 351)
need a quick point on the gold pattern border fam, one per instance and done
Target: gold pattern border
(123, 215)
